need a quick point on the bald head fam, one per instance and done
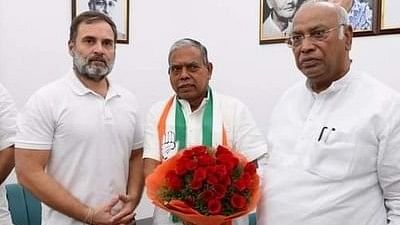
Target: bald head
(346, 4)
(330, 8)
(321, 40)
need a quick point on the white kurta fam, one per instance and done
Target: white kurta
(241, 129)
(335, 156)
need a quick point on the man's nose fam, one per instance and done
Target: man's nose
(98, 48)
(184, 73)
(307, 44)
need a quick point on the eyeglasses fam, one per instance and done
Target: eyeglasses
(295, 40)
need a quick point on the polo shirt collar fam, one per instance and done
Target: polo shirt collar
(79, 88)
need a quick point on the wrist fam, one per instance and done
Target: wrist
(89, 216)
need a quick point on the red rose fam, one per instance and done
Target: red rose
(214, 206)
(225, 180)
(196, 184)
(181, 168)
(199, 150)
(240, 184)
(221, 170)
(200, 174)
(229, 161)
(173, 180)
(207, 195)
(187, 153)
(220, 191)
(238, 201)
(246, 177)
(211, 179)
(211, 169)
(250, 168)
(205, 160)
(190, 164)
(222, 150)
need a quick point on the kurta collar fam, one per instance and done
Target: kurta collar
(335, 86)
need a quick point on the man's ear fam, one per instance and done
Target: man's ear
(348, 36)
(70, 48)
(210, 69)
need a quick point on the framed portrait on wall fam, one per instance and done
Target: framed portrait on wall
(117, 10)
(276, 17)
(389, 16)
(362, 16)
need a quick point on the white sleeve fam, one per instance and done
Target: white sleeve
(247, 137)
(139, 130)
(151, 148)
(389, 165)
(36, 124)
(8, 113)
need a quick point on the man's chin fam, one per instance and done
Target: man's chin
(95, 76)
(185, 95)
(312, 72)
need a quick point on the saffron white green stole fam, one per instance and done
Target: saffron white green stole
(172, 129)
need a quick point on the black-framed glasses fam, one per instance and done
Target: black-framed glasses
(295, 40)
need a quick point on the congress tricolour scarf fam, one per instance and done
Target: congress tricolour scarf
(172, 129)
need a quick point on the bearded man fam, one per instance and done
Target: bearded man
(79, 140)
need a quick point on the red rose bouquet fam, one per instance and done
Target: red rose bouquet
(205, 186)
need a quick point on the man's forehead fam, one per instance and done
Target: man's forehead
(95, 26)
(314, 16)
(99, 30)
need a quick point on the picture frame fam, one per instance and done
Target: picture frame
(363, 16)
(118, 10)
(269, 31)
(389, 18)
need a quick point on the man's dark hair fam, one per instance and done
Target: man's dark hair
(89, 17)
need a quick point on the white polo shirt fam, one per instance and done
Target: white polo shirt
(8, 115)
(335, 156)
(242, 134)
(90, 139)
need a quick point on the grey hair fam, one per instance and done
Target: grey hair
(343, 19)
(188, 42)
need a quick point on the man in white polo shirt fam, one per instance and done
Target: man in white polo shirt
(196, 115)
(79, 140)
(8, 115)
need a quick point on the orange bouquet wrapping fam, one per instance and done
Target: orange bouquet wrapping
(205, 186)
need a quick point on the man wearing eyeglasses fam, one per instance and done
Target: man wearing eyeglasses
(334, 139)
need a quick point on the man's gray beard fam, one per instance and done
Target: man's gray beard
(92, 72)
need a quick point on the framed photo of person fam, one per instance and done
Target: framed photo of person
(275, 19)
(117, 10)
(389, 17)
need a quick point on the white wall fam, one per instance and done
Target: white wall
(33, 51)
